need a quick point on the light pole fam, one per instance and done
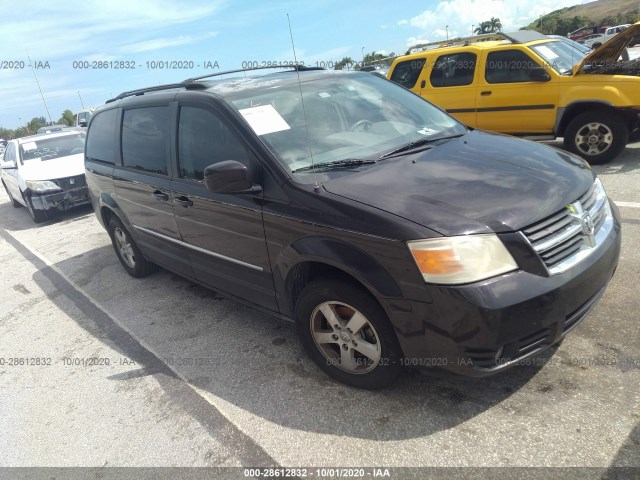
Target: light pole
(447, 30)
(472, 29)
(363, 56)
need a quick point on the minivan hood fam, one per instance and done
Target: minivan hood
(62, 167)
(478, 183)
(610, 52)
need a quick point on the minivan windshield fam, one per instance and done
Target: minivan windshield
(343, 120)
(50, 148)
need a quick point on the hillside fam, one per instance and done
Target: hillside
(609, 12)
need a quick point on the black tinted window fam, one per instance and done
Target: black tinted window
(407, 73)
(509, 66)
(145, 133)
(100, 138)
(204, 139)
(453, 70)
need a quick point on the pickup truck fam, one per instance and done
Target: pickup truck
(596, 41)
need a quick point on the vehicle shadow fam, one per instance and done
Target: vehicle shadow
(253, 361)
(16, 219)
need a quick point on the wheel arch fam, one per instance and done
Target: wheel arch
(578, 107)
(311, 258)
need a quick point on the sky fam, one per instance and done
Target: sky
(84, 52)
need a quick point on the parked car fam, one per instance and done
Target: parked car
(593, 41)
(45, 173)
(530, 85)
(52, 128)
(389, 232)
(83, 117)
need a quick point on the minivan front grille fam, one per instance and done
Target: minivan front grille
(568, 236)
(69, 183)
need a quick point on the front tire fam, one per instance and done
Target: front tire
(597, 136)
(14, 202)
(38, 216)
(127, 251)
(347, 334)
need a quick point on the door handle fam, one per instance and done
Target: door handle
(158, 195)
(183, 201)
(485, 93)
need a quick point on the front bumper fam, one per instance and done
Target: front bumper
(61, 200)
(480, 329)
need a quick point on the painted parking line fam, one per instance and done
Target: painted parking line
(177, 387)
(627, 204)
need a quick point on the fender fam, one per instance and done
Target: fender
(561, 123)
(335, 253)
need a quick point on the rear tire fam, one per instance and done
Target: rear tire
(127, 251)
(347, 334)
(597, 136)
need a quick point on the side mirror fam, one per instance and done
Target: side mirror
(8, 165)
(539, 74)
(229, 176)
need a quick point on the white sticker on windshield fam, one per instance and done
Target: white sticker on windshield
(27, 146)
(546, 52)
(264, 119)
(426, 131)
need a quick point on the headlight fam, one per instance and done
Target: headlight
(42, 186)
(464, 259)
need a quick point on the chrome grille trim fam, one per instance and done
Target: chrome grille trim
(564, 239)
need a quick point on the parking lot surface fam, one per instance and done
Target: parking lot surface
(101, 369)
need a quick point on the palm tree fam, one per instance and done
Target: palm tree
(495, 25)
(483, 28)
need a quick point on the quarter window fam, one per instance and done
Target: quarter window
(204, 139)
(453, 70)
(407, 73)
(145, 133)
(509, 66)
(101, 137)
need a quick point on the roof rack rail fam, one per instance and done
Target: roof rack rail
(193, 81)
(454, 42)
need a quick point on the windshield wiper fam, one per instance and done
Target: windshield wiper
(415, 144)
(347, 162)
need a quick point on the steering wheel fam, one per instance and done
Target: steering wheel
(365, 124)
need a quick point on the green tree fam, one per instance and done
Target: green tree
(34, 124)
(67, 118)
(495, 25)
(345, 62)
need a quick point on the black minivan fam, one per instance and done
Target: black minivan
(390, 233)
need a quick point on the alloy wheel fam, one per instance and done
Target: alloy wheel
(345, 337)
(594, 138)
(124, 247)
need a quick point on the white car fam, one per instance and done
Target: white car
(45, 173)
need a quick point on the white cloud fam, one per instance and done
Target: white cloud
(460, 15)
(159, 43)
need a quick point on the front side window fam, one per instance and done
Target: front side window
(509, 66)
(407, 73)
(453, 70)
(145, 132)
(204, 139)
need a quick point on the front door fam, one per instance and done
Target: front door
(223, 233)
(508, 101)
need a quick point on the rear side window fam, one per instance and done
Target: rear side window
(509, 66)
(101, 137)
(145, 133)
(407, 73)
(453, 70)
(204, 139)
